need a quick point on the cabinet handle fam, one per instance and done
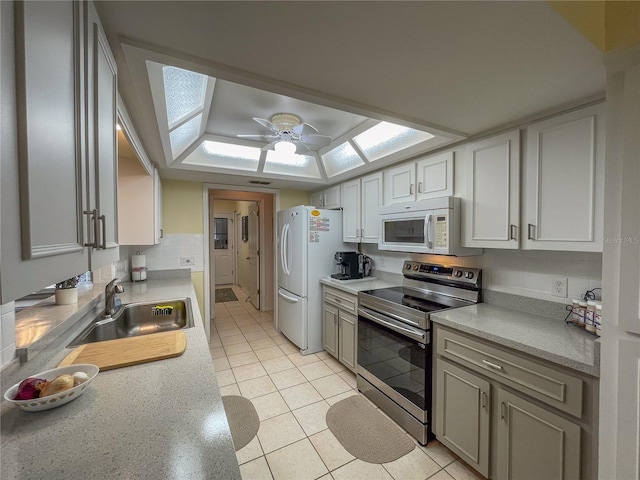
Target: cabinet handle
(492, 365)
(512, 232)
(530, 228)
(419, 187)
(503, 410)
(411, 189)
(103, 220)
(92, 218)
(483, 399)
(161, 233)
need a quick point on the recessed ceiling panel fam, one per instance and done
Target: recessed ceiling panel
(387, 138)
(341, 159)
(224, 155)
(287, 164)
(184, 92)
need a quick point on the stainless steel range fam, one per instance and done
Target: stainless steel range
(394, 339)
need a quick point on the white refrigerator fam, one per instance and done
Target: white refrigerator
(307, 241)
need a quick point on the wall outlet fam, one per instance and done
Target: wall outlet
(559, 287)
(189, 261)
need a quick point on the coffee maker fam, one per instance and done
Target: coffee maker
(351, 265)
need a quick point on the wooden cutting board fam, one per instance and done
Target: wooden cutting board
(129, 351)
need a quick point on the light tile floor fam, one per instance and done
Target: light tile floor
(291, 394)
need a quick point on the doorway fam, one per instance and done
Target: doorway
(252, 226)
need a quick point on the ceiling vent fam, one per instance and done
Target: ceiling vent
(259, 182)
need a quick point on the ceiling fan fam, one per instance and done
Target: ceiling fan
(289, 135)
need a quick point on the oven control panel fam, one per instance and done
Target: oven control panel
(427, 271)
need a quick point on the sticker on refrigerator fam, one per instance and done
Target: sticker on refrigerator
(314, 237)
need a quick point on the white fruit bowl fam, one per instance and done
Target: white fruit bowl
(57, 399)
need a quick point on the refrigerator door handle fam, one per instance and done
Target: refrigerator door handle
(286, 297)
(283, 248)
(287, 250)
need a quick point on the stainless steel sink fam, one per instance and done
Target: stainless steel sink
(134, 319)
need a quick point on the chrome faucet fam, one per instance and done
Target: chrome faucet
(110, 292)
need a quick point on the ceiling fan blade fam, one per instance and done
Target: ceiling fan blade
(316, 140)
(258, 137)
(268, 146)
(301, 148)
(304, 129)
(267, 124)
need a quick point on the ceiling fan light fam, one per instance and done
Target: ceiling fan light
(285, 147)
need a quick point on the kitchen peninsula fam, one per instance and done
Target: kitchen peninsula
(162, 419)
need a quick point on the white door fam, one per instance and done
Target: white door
(253, 234)
(224, 248)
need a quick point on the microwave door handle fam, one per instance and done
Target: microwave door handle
(427, 228)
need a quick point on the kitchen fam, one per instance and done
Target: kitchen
(617, 265)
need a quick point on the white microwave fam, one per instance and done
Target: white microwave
(427, 226)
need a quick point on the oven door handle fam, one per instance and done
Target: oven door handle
(419, 335)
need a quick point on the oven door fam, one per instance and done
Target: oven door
(396, 359)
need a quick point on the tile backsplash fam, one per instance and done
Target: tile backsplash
(519, 272)
(172, 248)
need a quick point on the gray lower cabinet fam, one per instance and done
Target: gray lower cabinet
(463, 413)
(534, 443)
(340, 325)
(511, 416)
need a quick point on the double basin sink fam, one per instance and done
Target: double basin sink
(135, 319)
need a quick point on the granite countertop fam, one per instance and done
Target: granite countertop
(355, 286)
(545, 338)
(158, 420)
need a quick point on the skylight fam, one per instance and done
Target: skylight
(184, 135)
(224, 155)
(287, 164)
(341, 159)
(387, 138)
(184, 93)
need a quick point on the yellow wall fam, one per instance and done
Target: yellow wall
(610, 25)
(182, 213)
(291, 198)
(181, 207)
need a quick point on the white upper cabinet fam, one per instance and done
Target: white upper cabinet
(102, 141)
(430, 177)
(328, 198)
(492, 213)
(435, 176)
(361, 198)
(564, 182)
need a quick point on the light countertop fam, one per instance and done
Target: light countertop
(542, 337)
(355, 286)
(158, 420)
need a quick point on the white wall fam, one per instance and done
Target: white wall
(519, 272)
(166, 255)
(7, 333)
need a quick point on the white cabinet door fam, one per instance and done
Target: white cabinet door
(371, 199)
(316, 199)
(435, 176)
(564, 182)
(492, 210)
(101, 73)
(399, 184)
(347, 339)
(157, 206)
(330, 329)
(351, 212)
(331, 198)
(462, 412)
(534, 443)
(43, 152)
